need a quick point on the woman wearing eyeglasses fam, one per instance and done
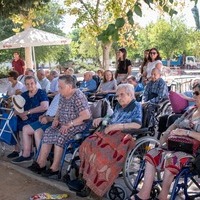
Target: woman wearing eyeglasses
(123, 66)
(154, 61)
(171, 162)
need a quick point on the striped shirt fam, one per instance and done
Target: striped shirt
(155, 92)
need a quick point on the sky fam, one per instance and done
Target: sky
(148, 17)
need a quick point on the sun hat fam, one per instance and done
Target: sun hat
(18, 103)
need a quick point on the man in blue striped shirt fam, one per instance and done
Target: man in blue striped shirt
(156, 90)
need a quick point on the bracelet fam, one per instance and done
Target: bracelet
(72, 123)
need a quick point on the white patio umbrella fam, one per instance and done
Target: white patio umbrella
(32, 37)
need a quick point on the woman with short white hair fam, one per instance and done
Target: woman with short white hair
(103, 153)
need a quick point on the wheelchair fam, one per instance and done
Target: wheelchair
(98, 109)
(184, 183)
(144, 142)
(8, 124)
(184, 186)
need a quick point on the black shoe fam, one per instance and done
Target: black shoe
(21, 159)
(49, 173)
(84, 192)
(13, 154)
(76, 185)
(35, 167)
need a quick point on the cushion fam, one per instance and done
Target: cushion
(178, 103)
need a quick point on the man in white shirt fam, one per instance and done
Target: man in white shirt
(43, 81)
(53, 77)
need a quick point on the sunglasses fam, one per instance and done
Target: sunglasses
(196, 93)
(153, 53)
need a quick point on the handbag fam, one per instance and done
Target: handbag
(183, 143)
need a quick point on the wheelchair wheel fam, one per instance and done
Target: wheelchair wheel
(116, 192)
(135, 158)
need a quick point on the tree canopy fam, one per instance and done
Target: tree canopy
(112, 21)
(10, 7)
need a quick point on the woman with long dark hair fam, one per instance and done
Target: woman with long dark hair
(123, 66)
(154, 61)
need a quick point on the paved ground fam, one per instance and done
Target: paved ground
(19, 183)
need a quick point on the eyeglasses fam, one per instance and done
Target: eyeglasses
(196, 93)
(153, 53)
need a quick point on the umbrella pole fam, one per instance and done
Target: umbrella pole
(34, 60)
(28, 57)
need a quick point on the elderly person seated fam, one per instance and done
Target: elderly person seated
(171, 162)
(138, 87)
(88, 84)
(156, 90)
(53, 77)
(70, 71)
(73, 111)
(43, 81)
(28, 72)
(36, 103)
(37, 129)
(15, 86)
(103, 154)
(107, 86)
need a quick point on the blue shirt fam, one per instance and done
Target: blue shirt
(155, 92)
(129, 114)
(54, 85)
(139, 87)
(88, 85)
(33, 102)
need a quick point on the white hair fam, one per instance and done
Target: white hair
(128, 88)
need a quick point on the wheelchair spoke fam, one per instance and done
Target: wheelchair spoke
(134, 161)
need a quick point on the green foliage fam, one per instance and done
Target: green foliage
(6, 31)
(49, 21)
(137, 9)
(10, 7)
(4, 72)
(119, 23)
(130, 17)
(171, 38)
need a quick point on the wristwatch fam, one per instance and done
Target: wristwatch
(72, 123)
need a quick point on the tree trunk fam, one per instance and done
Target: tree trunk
(97, 60)
(28, 50)
(106, 55)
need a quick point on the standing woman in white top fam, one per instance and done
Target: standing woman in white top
(154, 62)
(123, 66)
